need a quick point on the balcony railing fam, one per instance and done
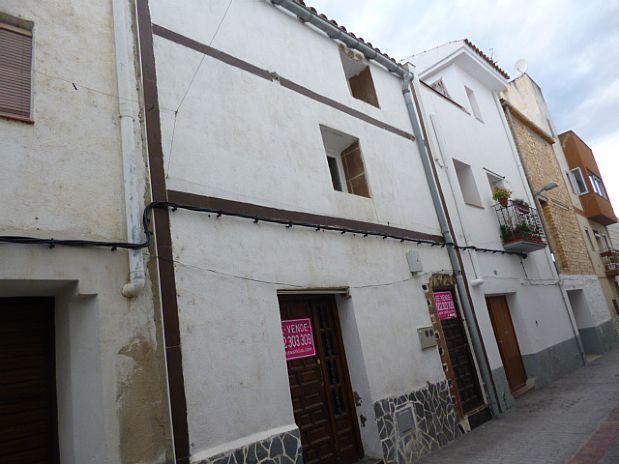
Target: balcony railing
(610, 258)
(521, 227)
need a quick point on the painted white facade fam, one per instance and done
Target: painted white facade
(244, 138)
(62, 177)
(542, 318)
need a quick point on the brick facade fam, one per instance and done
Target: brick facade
(542, 167)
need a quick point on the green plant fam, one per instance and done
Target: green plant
(501, 194)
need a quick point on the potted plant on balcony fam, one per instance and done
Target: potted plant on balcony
(521, 205)
(521, 231)
(502, 196)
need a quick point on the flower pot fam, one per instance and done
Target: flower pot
(504, 202)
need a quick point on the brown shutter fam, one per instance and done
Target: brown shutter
(355, 171)
(15, 71)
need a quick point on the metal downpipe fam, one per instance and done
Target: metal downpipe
(424, 152)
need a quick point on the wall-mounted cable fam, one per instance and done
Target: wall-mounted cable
(289, 224)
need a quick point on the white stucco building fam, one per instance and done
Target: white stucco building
(524, 316)
(322, 272)
(299, 200)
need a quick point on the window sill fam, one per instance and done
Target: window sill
(474, 205)
(14, 117)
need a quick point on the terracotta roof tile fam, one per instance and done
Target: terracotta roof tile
(343, 29)
(492, 63)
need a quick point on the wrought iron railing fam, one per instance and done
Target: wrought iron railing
(519, 222)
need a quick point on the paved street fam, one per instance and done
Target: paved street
(575, 421)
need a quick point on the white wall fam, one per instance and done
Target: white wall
(243, 138)
(536, 305)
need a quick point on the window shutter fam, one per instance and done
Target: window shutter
(15, 71)
(355, 171)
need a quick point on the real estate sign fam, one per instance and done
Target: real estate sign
(298, 339)
(445, 305)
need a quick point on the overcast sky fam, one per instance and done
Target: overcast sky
(571, 46)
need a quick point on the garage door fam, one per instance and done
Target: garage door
(28, 432)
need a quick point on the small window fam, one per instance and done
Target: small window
(577, 181)
(598, 185)
(440, 87)
(15, 71)
(495, 181)
(473, 103)
(345, 162)
(468, 187)
(359, 78)
(588, 233)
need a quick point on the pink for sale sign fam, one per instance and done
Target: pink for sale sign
(298, 339)
(445, 305)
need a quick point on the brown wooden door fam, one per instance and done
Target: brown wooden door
(507, 341)
(464, 372)
(28, 430)
(320, 386)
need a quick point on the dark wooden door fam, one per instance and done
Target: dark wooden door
(320, 386)
(461, 359)
(507, 341)
(28, 430)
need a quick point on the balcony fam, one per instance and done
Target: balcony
(521, 227)
(610, 258)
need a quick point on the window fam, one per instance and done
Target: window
(577, 181)
(602, 241)
(467, 183)
(473, 103)
(589, 239)
(15, 71)
(495, 180)
(345, 162)
(440, 87)
(359, 77)
(598, 185)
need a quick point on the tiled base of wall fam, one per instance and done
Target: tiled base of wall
(412, 425)
(278, 449)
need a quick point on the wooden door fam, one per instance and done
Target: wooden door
(462, 362)
(507, 341)
(320, 388)
(28, 430)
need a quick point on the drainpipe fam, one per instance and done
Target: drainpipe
(335, 33)
(469, 313)
(130, 154)
(508, 124)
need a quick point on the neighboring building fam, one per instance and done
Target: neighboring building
(587, 181)
(544, 162)
(526, 322)
(81, 365)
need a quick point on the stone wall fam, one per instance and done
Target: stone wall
(413, 424)
(278, 449)
(542, 167)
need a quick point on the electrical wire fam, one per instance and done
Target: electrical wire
(221, 21)
(289, 224)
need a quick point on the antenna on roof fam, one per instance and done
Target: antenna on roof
(521, 66)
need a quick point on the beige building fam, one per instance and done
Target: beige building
(559, 188)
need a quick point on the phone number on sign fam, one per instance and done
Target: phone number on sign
(295, 341)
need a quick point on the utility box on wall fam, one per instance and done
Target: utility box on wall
(427, 337)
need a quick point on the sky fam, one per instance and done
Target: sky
(571, 47)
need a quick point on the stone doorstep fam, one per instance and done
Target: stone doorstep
(530, 385)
